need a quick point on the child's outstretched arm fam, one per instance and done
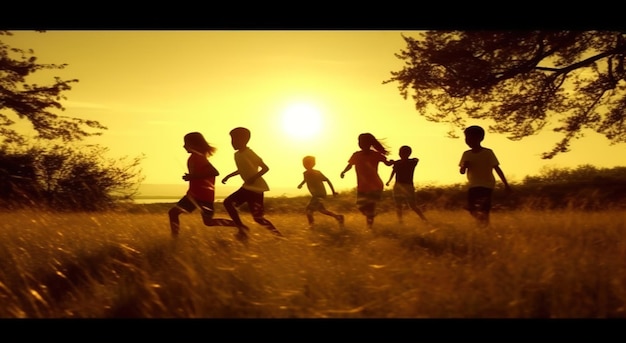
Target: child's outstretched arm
(502, 177)
(464, 166)
(236, 172)
(348, 167)
(330, 184)
(301, 184)
(264, 169)
(393, 172)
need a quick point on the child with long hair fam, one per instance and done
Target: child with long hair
(201, 177)
(369, 184)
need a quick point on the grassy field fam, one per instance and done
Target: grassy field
(124, 264)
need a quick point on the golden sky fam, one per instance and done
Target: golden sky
(150, 88)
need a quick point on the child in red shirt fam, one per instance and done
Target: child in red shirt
(201, 177)
(369, 184)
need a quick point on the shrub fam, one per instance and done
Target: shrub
(66, 178)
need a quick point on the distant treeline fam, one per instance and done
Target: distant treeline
(582, 188)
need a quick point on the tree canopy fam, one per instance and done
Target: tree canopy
(522, 80)
(57, 176)
(38, 104)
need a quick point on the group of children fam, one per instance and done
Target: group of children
(201, 192)
(478, 163)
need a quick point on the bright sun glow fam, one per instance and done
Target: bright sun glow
(301, 121)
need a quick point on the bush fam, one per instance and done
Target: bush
(583, 188)
(66, 178)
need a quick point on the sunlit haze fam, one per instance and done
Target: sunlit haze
(302, 121)
(299, 92)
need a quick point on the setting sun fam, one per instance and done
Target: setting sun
(301, 121)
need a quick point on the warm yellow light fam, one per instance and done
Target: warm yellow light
(301, 121)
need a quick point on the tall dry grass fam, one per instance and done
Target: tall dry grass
(528, 264)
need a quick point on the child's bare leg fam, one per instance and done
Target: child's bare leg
(241, 232)
(174, 214)
(231, 208)
(219, 222)
(399, 212)
(309, 217)
(257, 211)
(339, 217)
(418, 212)
(483, 218)
(369, 211)
(370, 221)
(268, 225)
(328, 213)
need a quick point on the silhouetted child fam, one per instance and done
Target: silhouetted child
(479, 163)
(369, 185)
(403, 188)
(201, 177)
(314, 180)
(251, 168)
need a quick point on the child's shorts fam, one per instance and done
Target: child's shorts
(366, 201)
(315, 204)
(403, 193)
(188, 204)
(479, 199)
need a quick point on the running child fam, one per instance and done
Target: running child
(403, 188)
(201, 177)
(251, 168)
(479, 163)
(314, 180)
(369, 184)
